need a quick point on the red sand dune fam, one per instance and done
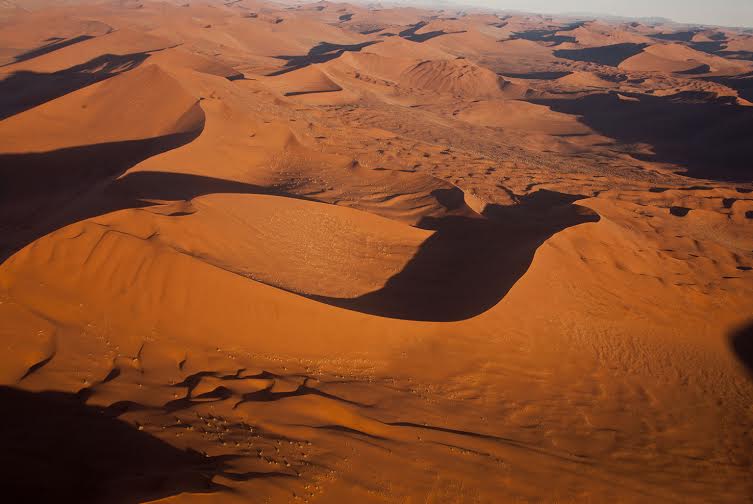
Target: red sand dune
(333, 253)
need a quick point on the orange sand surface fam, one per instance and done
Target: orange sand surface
(323, 252)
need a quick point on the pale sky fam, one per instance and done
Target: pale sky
(715, 12)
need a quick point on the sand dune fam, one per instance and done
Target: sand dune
(521, 115)
(594, 34)
(458, 77)
(522, 55)
(674, 58)
(144, 103)
(304, 81)
(585, 80)
(329, 252)
(183, 58)
(119, 43)
(28, 37)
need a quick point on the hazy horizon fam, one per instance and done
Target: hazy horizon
(737, 13)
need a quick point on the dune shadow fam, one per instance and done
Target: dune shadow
(24, 90)
(741, 342)
(680, 36)
(710, 46)
(708, 136)
(718, 46)
(55, 448)
(42, 192)
(737, 55)
(268, 395)
(410, 33)
(462, 270)
(699, 70)
(743, 84)
(538, 75)
(611, 55)
(468, 265)
(547, 35)
(51, 46)
(320, 53)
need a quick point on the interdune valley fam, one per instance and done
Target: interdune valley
(363, 253)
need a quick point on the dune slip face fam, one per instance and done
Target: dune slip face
(330, 252)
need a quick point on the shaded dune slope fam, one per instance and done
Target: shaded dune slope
(741, 342)
(55, 178)
(705, 135)
(468, 265)
(23, 89)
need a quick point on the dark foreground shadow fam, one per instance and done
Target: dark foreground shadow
(709, 136)
(470, 264)
(55, 448)
(741, 342)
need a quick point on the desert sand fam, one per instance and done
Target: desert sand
(323, 252)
